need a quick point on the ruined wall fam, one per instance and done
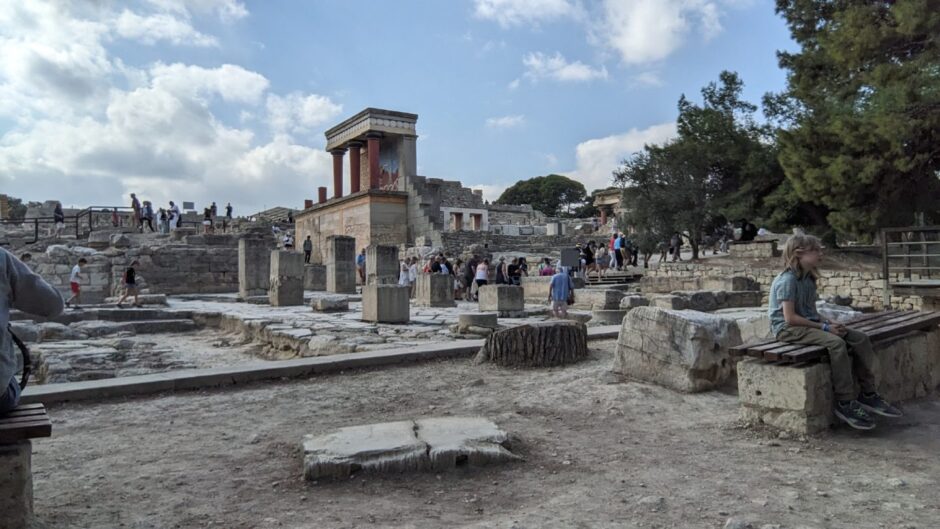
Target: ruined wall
(866, 288)
(456, 243)
(372, 218)
(515, 214)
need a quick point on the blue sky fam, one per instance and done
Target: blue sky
(225, 100)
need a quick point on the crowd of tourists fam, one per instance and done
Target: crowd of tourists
(170, 218)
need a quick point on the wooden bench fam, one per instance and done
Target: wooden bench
(17, 429)
(877, 325)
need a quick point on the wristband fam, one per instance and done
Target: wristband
(825, 327)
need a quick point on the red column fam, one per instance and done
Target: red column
(338, 172)
(373, 149)
(354, 168)
(321, 194)
(603, 216)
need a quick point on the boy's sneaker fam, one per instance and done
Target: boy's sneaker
(875, 404)
(854, 415)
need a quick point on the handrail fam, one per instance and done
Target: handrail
(907, 250)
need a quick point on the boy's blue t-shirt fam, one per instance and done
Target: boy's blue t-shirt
(788, 287)
(561, 286)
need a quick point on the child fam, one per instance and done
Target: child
(74, 282)
(793, 318)
(130, 285)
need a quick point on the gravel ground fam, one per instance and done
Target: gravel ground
(599, 452)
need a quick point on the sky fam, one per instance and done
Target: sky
(227, 100)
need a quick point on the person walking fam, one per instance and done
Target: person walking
(130, 285)
(75, 278)
(361, 266)
(501, 272)
(228, 217)
(413, 274)
(135, 205)
(207, 220)
(308, 249)
(147, 216)
(58, 219)
(468, 275)
(174, 216)
(675, 243)
(482, 273)
(21, 289)
(560, 291)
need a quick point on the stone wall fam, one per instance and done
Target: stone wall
(754, 250)
(514, 214)
(456, 243)
(865, 288)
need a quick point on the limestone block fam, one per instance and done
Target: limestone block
(341, 264)
(254, 266)
(386, 303)
(287, 279)
(633, 301)
(535, 288)
(608, 316)
(683, 350)
(669, 301)
(463, 441)
(797, 399)
(16, 484)
(904, 366)
(599, 299)
(382, 266)
(434, 290)
(328, 303)
(742, 298)
(487, 320)
(314, 277)
(501, 299)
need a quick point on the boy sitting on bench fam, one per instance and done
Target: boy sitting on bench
(793, 318)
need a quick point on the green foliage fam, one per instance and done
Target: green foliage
(862, 110)
(17, 208)
(553, 195)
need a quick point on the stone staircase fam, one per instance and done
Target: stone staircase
(424, 217)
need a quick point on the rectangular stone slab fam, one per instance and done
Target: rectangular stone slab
(382, 447)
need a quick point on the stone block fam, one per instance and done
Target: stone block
(386, 303)
(382, 266)
(314, 277)
(16, 485)
(254, 266)
(796, 399)
(598, 299)
(327, 303)
(287, 279)
(608, 316)
(434, 290)
(484, 320)
(502, 299)
(684, 350)
(535, 288)
(630, 302)
(742, 298)
(669, 301)
(340, 264)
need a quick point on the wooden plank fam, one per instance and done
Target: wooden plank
(923, 322)
(768, 346)
(805, 354)
(775, 354)
(872, 316)
(26, 419)
(873, 326)
(13, 434)
(23, 413)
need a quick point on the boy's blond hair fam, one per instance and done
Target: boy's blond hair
(796, 246)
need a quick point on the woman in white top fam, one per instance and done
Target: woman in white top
(413, 274)
(403, 280)
(483, 273)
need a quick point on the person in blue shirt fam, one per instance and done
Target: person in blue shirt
(793, 318)
(560, 291)
(361, 265)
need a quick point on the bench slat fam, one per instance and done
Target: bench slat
(25, 422)
(873, 317)
(22, 413)
(776, 354)
(900, 318)
(806, 354)
(924, 321)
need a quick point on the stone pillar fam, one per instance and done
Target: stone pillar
(341, 264)
(434, 290)
(254, 265)
(505, 300)
(287, 278)
(321, 194)
(355, 171)
(338, 172)
(382, 267)
(373, 149)
(386, 303)
(314, 277)
(16, 485)
(408, 159)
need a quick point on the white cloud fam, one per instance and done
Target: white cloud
(596, 159)
(513, 84)
(556, 67)
(88, 128)
(643, 31)
(509, 13)
(506, 122)
(296, 112)
(490, 191)
(648, 79)
(226, 10)
(150, 29)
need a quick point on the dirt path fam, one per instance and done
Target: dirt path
(599, 453)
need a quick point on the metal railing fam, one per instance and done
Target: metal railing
(911, 258)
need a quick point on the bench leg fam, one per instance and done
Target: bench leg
(16, 484)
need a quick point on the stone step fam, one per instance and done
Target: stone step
(106, 313)
(97, 328)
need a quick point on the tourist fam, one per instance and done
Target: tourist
(207, 220)
(618, 255)
(589, 261)
(164, 221)
(308, 249)
(523, 267)
(547, 270)
(175, 216)
(501, 271)
(135, 205)
(793, 318)
(22, 289)
(58, 219)
(228, 217)
(288, 241)
(603, 259)
(482, 273)
(627, 256)
(215, 211)
(675, 245)
(468, 275)
(403, 273)
(361, 266)
(115, 220)
(459, 275)
(560, 293)
(147, 216)
(663, 250)
(634, 251)
(75, 279)
(413, 274)
(130, 285)
(748, 231)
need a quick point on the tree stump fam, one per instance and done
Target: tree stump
(541, 344)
